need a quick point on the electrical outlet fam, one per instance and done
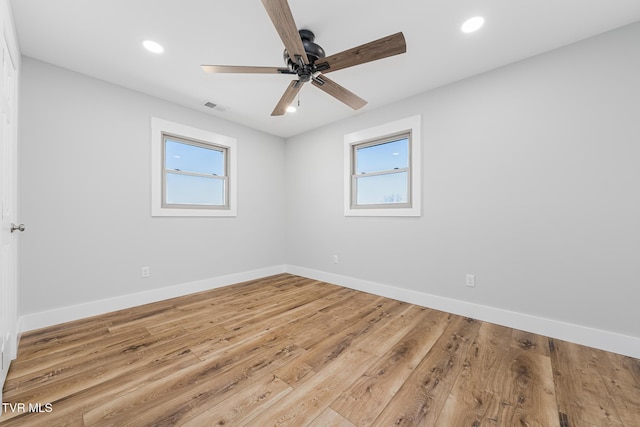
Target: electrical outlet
(335, 259)
(145, 272)
(471, 280)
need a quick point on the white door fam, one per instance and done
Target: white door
(9, 230)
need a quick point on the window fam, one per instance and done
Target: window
(382, 170)
(194, 174)
(380, 175)
(193, 171)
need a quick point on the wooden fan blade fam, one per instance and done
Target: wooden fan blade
(244, 69)
(287, 98)
(282, 18)
(338, 92)
(372, 51)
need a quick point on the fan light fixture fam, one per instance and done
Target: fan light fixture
(473, 24)
(152, 46)
(292, 108)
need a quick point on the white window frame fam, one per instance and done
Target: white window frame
(409, 125)
(160, 128)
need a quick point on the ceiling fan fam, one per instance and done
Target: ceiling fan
(307, 60)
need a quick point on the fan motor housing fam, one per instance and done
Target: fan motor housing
(313, 50)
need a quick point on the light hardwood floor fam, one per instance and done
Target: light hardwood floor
(287, 350)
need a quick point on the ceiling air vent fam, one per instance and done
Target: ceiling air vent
(210, 104)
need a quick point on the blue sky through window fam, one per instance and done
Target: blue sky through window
(191, 158)
(382, 189)
(386, 156)
(194, 190)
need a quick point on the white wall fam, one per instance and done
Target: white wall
(531, 181)
(84, 166)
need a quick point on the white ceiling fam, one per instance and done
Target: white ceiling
(103, 39)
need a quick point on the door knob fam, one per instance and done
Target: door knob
(14, 227)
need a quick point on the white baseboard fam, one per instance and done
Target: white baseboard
(596, 338)
(43, 319)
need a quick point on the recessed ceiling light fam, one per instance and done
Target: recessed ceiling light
(472, 24)
(152, 46)
(291, 109)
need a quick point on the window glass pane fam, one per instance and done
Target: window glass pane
(382, 189)
(191, 158)
(386, 156)
(194, 190)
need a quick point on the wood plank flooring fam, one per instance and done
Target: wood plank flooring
(291, 351)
